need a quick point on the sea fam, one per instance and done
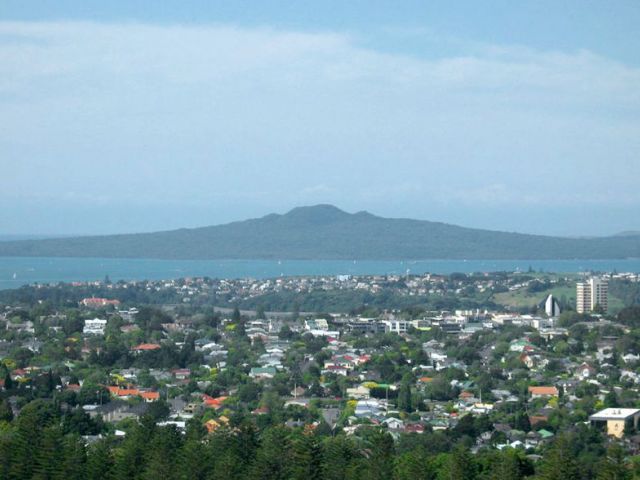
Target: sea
(18, 271)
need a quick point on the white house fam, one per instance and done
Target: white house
(94, 327)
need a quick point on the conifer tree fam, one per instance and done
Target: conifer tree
(99, 461)
(614, 467)
(74, 459)
(414, 465)
(507, 466)
(560, 462)
(305, 456)
(337, 455)
(460, 466)
(272, 458)
(49, 457)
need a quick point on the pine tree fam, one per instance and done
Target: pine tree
(99, 461)
(74, 459)
(507, 466)
(8, 382)
(272, 458)
(460, 466)
(227, 463)
(49, 457)
(336, 456)
(560, 462)
(414, 465)
(404, 397)
(305, 457)
(614, 467)
(193, 461)
(162, 454)
(6, 414)
(379, 464)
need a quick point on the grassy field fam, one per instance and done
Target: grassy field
(521, 298)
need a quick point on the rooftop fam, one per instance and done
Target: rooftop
(614, 414)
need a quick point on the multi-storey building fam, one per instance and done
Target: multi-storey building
(591, 294)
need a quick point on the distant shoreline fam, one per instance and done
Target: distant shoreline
(18, 271)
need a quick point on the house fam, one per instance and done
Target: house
(116, 411)
(262, 373)
(368, 408)
(520, 346)
(212, 425)
(145, 347)
(181, 373)
(126, 393)
(98, 302)
(359, 393)
(630, 358)
(414, 428)
(316, 324)
(394, 424)
(543, 392)
(616, 420)
(585, 371)
(150, 396)
(26, 327)
(211, 402)
(94, 327)
(331, 415)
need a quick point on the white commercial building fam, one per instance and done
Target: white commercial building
(396, 326)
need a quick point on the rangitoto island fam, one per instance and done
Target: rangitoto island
(324, 232)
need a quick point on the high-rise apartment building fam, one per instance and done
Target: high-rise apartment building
(594, 292)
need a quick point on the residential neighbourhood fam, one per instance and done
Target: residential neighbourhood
(501, 380)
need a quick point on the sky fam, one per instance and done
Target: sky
(127, 116)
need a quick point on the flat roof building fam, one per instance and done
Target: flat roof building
(616, 420)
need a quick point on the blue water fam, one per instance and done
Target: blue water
(48, 270)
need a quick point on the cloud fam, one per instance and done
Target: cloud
(212, 112)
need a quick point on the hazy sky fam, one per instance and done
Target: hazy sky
(137, 116)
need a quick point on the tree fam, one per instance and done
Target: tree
(414, 465)
(48, 455)
(6, 413)
(379, 464)
(560, 462)
(460, 465)
(8, 382)
(509, 465)
(162, 455)
(193, 461)
(99, 461)
(338, 454)
(611, 400)
(404, 397)
(273, 456)
(74, 458)
(613, 466)
(305, 456)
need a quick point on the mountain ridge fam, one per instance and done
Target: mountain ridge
(327, 232)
